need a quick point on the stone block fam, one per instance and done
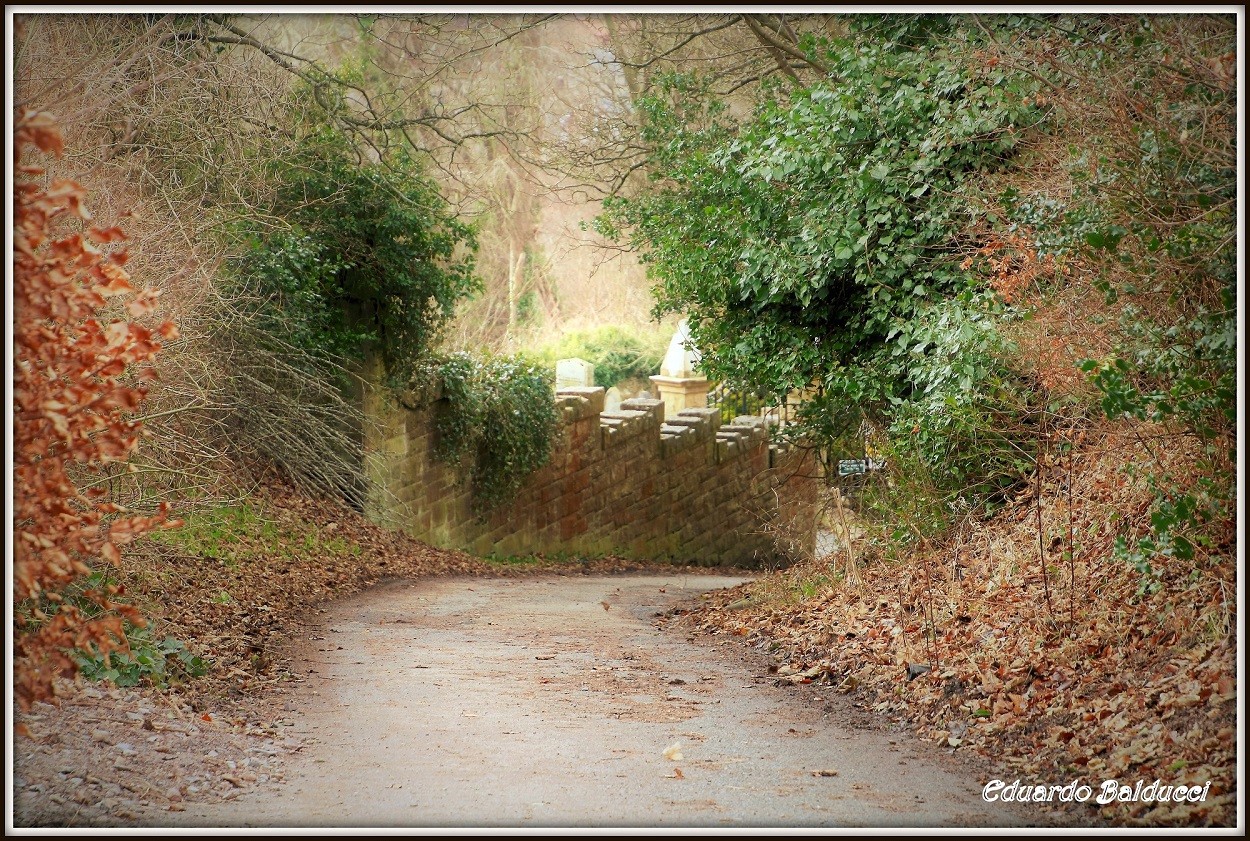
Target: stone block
(577, 482)
(678, 393)
(612, 399)
(594, 395)
(571, 527)
(710, 416)
(621, 426)
(482, 546)
(570, 409)
(701, 428)
(645, 404)
(621, 414)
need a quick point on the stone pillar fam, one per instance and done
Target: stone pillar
(679, 385)
(679, 393)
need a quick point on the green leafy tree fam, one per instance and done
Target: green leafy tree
(364, 253)
(817, 244)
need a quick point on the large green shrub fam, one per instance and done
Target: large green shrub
(817, 245)
(355, 253)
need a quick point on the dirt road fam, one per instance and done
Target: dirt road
(557, 702)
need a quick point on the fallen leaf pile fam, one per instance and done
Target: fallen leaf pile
(1103, 682)
(237, 600)
(124, 757)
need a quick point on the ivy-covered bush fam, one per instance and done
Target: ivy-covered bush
(817, 245)
(497, 418)
(357, 252)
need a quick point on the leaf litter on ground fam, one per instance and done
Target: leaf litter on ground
(958, 643)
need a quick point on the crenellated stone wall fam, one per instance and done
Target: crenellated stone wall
(628, 482)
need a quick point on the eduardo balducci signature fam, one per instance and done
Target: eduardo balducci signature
(1109, 791)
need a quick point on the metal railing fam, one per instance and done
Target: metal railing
(733, 402)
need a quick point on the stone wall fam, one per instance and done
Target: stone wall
(627, 482)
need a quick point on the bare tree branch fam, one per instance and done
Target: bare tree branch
(676, 47)
(770, 39)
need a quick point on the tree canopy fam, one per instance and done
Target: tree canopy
(866, 238)
(820, 242)
(362, 253)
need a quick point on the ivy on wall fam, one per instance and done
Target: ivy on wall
(497, 418)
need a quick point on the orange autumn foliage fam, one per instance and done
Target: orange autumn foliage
(78, 379)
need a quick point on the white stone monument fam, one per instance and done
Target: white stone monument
(574, 373)
(679, 385)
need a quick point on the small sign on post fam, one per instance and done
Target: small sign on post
(858, 466)
(852, 466)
